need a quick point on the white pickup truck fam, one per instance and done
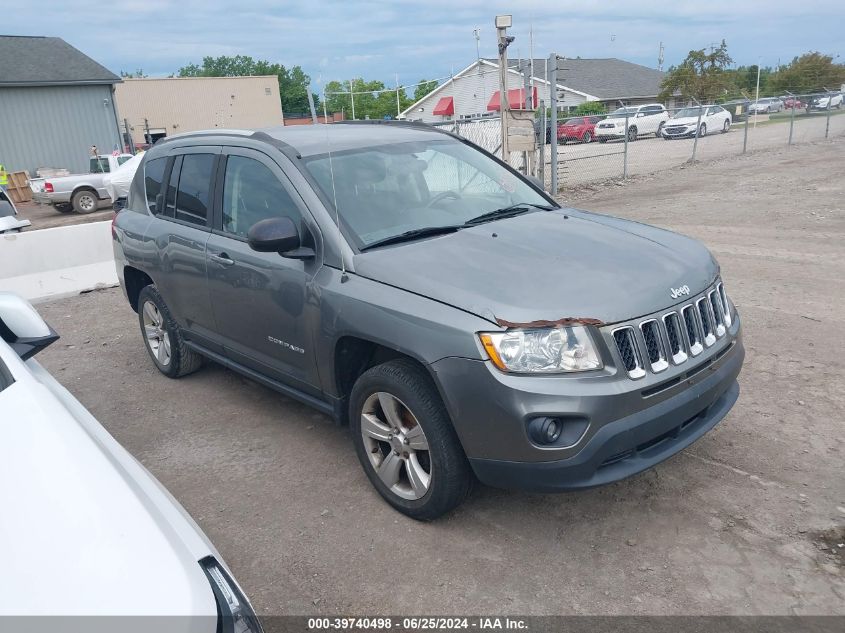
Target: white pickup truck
(79, 192)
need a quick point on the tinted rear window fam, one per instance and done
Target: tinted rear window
(194, 184)
(153, 177)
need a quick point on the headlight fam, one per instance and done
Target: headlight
(235, 612)
(542, 351)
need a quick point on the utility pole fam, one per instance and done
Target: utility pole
(398, 111)
(352, 97)
(660, 58)
(311, 105)
(756, 95)
(551, 77)
(503, 23)
(477, 34)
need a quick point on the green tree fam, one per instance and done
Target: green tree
(423, 88)
(293, 82)
(811, 72)
(372, 99)
(589, 107)
(138, 74)
(701, 75)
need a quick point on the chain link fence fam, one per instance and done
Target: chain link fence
(637, 140)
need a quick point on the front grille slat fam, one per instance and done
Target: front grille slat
(676, 336)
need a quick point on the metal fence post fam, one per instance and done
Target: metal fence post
(697, 130)
(552, 79)
(625, 157)
(541, 165)
(747, 123)
(791, 119)
(827, 123)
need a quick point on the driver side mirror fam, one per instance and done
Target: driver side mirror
(22, 327)
(278, 235)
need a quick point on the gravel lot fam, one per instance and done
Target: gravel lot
(734, 525)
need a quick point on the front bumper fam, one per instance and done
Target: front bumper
(631, 425)
(610, 132)
(679, 132)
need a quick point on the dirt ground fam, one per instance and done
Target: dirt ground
(746, 521)
(44, 216)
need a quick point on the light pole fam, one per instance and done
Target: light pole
(757, 94)
(503, 23)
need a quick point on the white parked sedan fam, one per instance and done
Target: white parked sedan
(85, 529)
(686, 122)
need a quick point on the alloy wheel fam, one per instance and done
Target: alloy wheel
(396, 445)
(86, 202)
(156, 334)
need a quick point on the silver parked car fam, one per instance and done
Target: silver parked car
(766, 105)
(86, 529)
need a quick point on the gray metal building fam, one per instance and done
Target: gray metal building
(55, 103)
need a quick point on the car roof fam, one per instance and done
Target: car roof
(311, 140)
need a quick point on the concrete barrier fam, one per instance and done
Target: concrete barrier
(57, 262)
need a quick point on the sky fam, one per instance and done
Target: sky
(341, 39)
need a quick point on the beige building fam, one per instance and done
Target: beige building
(155, 108)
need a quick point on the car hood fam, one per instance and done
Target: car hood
(547, 266)
(686, 120)
(87, 530)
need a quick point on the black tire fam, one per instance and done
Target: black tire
(451, 477)
(64, 208)
(632, 134)
(702, 131)
(726, 126)
(85, 201)
(659, 133)
(183, 360)
(602, 140)
(586, 137)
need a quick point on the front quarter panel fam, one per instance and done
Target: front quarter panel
(416, 326)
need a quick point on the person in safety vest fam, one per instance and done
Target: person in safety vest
(4, 177)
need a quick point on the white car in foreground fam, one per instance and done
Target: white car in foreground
(686, 121)
(85, 529)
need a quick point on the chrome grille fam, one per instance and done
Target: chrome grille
(657, 343)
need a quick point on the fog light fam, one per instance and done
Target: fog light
(545, 430)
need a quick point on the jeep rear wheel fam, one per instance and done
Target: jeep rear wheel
(163, 337)
(405, 441)
(84, 201)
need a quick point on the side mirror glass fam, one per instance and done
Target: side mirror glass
(274, 235)
(22, 327)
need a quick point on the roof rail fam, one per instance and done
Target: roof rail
(417, 124)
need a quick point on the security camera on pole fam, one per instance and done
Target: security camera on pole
(503, 23)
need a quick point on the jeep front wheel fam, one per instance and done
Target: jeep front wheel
(405, 441)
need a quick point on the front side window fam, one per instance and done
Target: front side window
(251, 193)
(192, 196)
(153, 181)
(385, 191)
(122, 159)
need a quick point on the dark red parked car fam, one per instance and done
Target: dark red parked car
(580, 128)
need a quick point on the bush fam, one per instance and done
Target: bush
(589, 107)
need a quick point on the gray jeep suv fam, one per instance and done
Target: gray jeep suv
(411, 285)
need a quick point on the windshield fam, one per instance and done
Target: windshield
(576, 121)
(389, 190)
(621, 112)
(687, 112)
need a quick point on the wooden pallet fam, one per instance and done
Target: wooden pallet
(18, 187)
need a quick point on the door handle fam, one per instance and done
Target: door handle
(222, 259)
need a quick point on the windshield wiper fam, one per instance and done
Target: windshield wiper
(414, 234)
(509, 211)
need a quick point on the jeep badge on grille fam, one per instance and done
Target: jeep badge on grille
(679, 292)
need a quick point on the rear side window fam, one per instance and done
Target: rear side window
(99, 165)
(153, 181)
(192, 196)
